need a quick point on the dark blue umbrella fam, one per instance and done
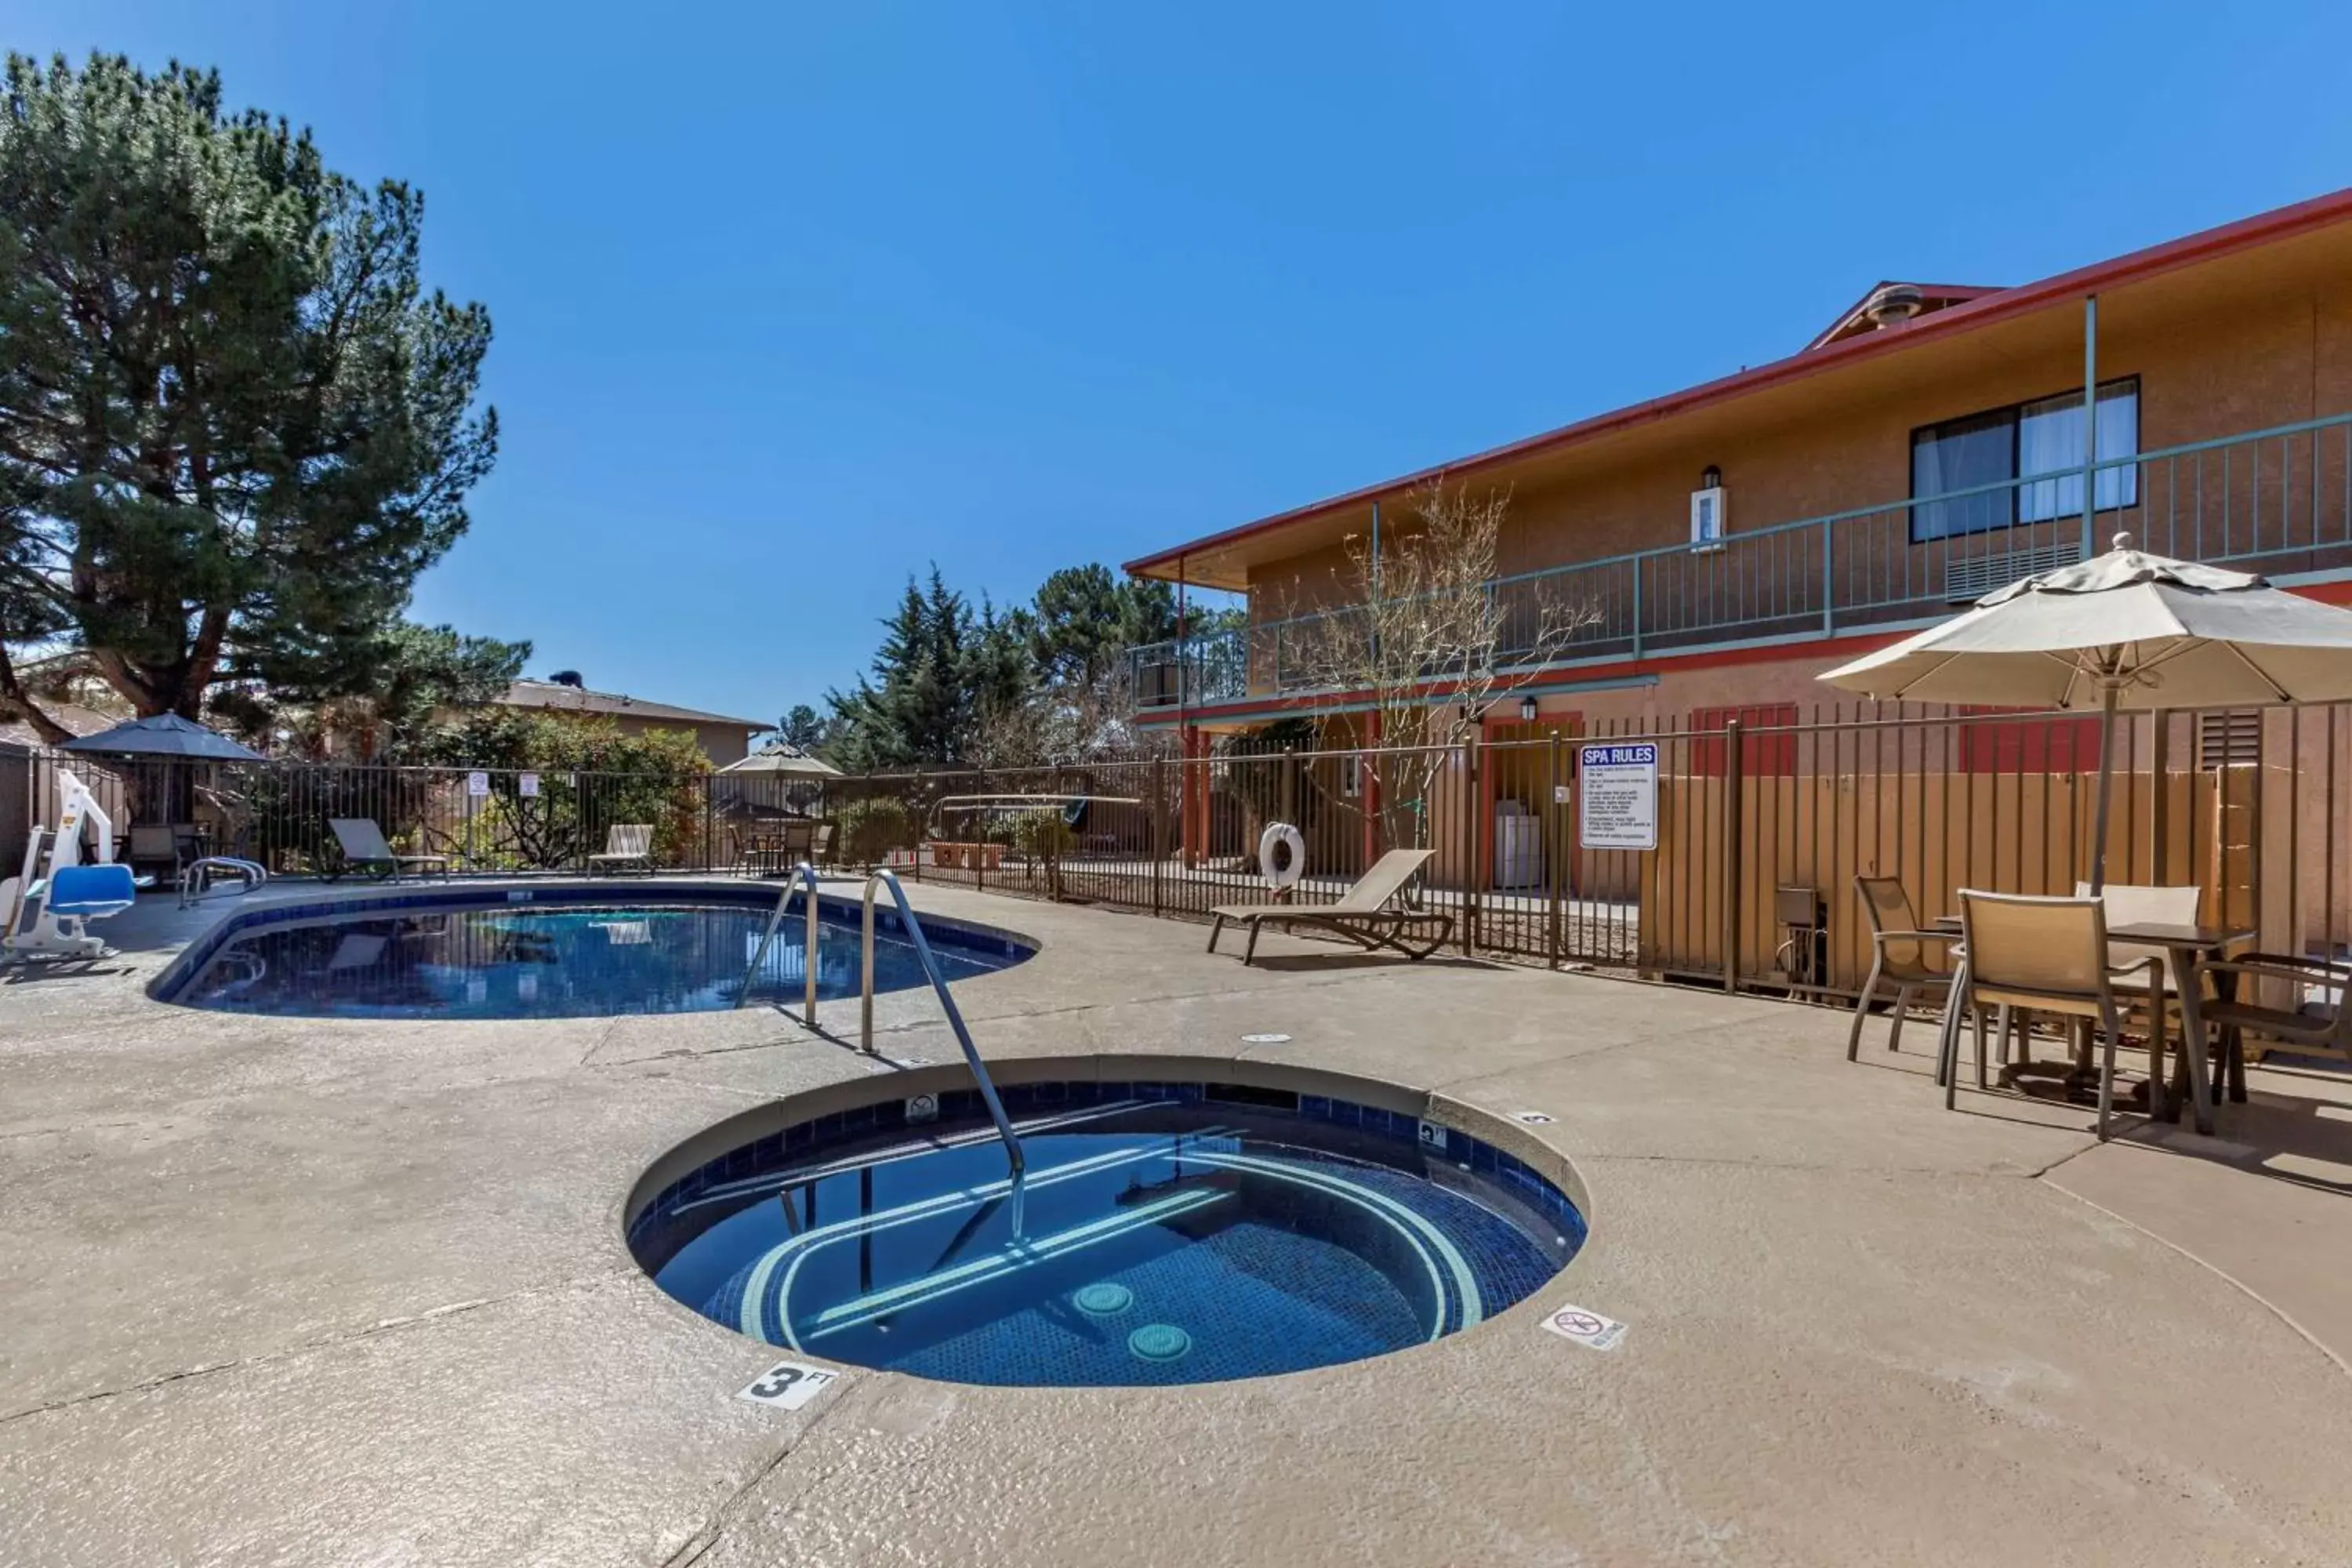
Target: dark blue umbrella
(164, 735)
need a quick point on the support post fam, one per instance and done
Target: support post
(1554, 843)
(2090, 424)
(1829, 581)
(1731, 846)
(2160, 804)
(1473, 866)
(2107, 789)
(1638, 562)
(1159, 826)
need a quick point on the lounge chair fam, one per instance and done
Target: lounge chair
(1366, 914)
(629, 847)
(366, 853)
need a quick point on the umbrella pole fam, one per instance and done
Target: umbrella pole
(2106, 787)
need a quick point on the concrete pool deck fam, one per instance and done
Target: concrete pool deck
(323, 1292)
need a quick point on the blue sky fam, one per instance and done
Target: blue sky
(791, 299)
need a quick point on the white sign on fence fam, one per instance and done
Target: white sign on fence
(526, 784)
(1619, 787)
(478, 784)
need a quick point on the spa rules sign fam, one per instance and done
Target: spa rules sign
(1617, 789)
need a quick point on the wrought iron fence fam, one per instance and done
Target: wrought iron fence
(1763, 818)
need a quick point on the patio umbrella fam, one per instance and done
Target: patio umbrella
(164, 735)
(2124, 630)
(783, 760)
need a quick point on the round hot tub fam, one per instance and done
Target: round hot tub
(1164, 1231)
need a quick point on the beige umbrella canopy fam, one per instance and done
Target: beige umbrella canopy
(783, 760)
(2126, 630)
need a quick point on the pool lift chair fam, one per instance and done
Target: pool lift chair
(69, 894)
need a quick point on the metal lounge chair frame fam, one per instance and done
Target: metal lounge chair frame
(366, 852)
(1365, 914)
(628, 845)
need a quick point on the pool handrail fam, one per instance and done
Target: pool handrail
(883, 877)
(802, 876)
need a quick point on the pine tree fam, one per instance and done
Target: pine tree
(233, 426)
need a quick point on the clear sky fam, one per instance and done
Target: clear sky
(794, 299)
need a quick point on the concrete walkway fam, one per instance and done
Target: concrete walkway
(317, 1291)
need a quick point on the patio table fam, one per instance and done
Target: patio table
(2184, 946)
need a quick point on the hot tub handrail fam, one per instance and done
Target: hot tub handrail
(803, 876)
(884, 876)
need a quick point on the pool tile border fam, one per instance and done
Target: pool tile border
(814, 1135)
(944, 932)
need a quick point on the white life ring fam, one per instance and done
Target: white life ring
(1281, 870)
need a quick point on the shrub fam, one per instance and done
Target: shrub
(870, 829)
(1045, 835)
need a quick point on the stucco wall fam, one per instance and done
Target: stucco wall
(2205, 372)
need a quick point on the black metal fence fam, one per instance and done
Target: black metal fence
(1762, 818)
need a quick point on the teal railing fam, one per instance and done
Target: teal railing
(2277, 500)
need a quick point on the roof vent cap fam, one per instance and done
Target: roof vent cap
(1894, 303)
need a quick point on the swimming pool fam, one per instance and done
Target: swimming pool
(1165, 1232)
(551, 952)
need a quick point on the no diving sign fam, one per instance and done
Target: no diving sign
(1618, 786)
(1585, 1328)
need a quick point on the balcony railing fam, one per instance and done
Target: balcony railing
(2277, 501)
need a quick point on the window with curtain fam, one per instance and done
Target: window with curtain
(2022, 441)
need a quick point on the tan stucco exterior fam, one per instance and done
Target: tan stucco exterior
(2250, 340)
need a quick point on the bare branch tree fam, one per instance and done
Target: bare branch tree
(1066, 724)
(1421, 635)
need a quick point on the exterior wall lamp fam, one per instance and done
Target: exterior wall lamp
(1526, 710)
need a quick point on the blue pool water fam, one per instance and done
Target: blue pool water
(554, 959)
(1160, 1235)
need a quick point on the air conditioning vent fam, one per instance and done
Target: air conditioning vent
(1967, 581)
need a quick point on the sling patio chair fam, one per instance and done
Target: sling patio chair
(1368, 914)
(2052, 955)
(2316, 1019)
(366, 853)
(1898, 956)
(629, 847)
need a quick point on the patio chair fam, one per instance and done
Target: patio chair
(1366, 914)
(160, 843)
(2130, 903)
(821, 847)
(366, 853)
(628, 846)
(2306, 1027)
(2051, 955)
(1898, 956)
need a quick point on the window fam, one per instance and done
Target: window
(2024, 441)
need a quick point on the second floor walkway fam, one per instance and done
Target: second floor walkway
(2277, 501)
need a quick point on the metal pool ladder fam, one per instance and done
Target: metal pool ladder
(803, 876)
(885, 878)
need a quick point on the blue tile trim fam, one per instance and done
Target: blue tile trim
(940, 930)
(796, 1142)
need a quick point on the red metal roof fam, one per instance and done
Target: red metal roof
(2280, 222)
